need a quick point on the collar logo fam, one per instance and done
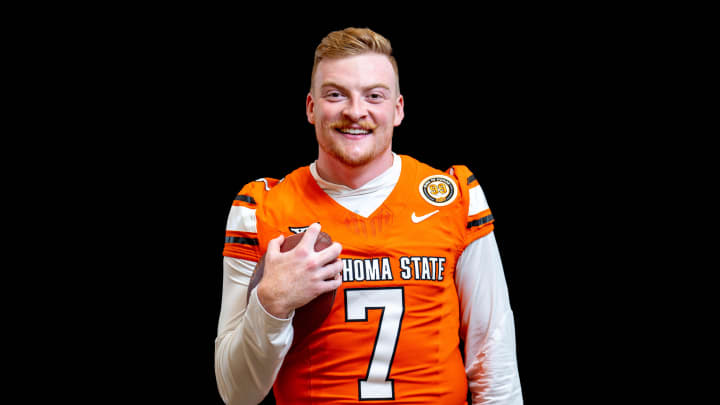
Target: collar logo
(299, 229)
(438, 190)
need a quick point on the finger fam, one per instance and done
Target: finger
(310, 237)
(274, 244)
(330, 253)
(331, 270)
(334, 283)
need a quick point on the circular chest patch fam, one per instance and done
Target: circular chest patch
(439, 190)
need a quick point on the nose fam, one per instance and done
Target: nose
(355, 109)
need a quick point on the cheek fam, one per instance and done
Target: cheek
(383, 116)
(327, 111)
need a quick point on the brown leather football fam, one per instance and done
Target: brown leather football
(311, 315)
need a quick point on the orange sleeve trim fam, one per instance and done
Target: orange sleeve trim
(478, 233)
(238, 234)
(241, 245)
(241, 251)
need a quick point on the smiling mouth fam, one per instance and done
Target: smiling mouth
(354, 131)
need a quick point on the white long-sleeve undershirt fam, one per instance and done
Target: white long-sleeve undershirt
(251, 344)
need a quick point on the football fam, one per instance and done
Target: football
(310, 316)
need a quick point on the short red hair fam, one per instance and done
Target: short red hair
(350, 42)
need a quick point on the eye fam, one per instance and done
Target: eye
(333, 95)
(376, 97)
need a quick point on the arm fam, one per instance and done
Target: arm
(487, 325)
(251, 344)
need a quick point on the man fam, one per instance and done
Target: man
(415, 262)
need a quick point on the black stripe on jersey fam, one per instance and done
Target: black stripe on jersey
(482, 221)
(471, 179)
(246, 198)
(244, 241)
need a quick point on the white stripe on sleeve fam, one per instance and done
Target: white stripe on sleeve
(477, 201)
(242, 219)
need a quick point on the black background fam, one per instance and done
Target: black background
(176, 109)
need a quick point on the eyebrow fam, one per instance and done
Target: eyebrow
(372, 86)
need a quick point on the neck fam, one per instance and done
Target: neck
(335, 171)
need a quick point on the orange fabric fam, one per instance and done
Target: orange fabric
(241, 250)
(397, 273)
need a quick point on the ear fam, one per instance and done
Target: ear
(310, 108)
(399, 110)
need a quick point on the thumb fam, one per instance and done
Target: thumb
(274, 244)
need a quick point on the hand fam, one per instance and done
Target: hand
(296, 277)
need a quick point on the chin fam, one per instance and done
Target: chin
(353, 160)
(353, 154)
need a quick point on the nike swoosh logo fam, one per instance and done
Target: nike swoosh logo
(417, 219)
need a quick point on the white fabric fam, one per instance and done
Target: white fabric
(487, 325)
(477, 201)
(252, 344)
(242, 219)
(365, 199)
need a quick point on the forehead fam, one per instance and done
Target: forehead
(356, 71)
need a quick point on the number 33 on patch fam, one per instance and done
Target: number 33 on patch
(438, 190)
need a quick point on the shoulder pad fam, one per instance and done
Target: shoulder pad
(254, 192)
(479, 217)
(463, 175)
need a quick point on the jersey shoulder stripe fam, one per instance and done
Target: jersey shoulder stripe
(478, 203)
(246, 198)
(241, 240)
(480, 220)
(241, 219)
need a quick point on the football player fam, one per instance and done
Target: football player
(415, 264)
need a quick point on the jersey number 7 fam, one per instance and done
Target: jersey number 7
(391, 301)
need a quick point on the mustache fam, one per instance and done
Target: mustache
(347, 124)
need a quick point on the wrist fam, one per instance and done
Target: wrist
(271, 304)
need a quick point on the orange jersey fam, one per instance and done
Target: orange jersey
(392, 335)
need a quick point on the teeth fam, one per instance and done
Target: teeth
(353, 131)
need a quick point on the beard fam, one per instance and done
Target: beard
(336, 150)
